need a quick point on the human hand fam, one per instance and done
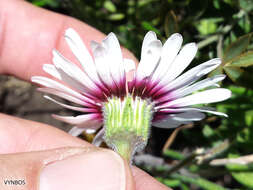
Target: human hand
(24, 47)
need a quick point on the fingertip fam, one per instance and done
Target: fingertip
(97, 169)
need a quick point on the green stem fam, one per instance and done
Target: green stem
(125, 150)
(182, 163)
(208, 41)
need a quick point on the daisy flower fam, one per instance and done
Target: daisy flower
(122, 106)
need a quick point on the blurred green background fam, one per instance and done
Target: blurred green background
(222, 29)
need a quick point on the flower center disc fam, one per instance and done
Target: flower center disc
(127, 123)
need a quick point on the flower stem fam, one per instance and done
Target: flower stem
(125, 150)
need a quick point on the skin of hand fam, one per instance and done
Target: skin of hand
(41, 155)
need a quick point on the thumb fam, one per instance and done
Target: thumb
(65, 168)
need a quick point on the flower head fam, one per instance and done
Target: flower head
(125, 107)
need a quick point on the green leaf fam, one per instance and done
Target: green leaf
(173, 154)
(245, 24)
(217, 71)
(240, 167)
(148, 26)
(236, 48)
(42, 3)
(230, 2)
(169, 182)
(108, 5)
(244, 136)
(244, 60)
(240, 76)
(249, 118)
(116, 16)
(216, 4)
(201, 182)
(247, 5)
(184, 187)
(208, 131)
(239, 173)
(142, 3)
(207, 26)
(234, 73)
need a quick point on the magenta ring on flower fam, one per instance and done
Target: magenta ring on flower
(123, 108)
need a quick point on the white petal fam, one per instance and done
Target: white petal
(94, 45)
(175, 120)
(44, 81)
(169, 123)
(59, 87)
(149, 59)
(90, 131)
(193, 74)
(72, 74)
(115, 59)
(73, 83)
(63, 95)
(113, 47)
(50, 69)
(202, 109)
(81, 109)
(149, 37)
(76, 131)
(130, 68)
(212, 64)
(81, 52)
(85, 120)
(198, 86)
(102, 61)
(97, 141)
(169, 53)
(189, 116)
(205, 97)
(182, 61)
(129, 65)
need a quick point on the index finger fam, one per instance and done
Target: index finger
(27, 37)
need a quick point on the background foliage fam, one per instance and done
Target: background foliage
(222, 29)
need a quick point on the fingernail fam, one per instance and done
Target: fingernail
(97, 170)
